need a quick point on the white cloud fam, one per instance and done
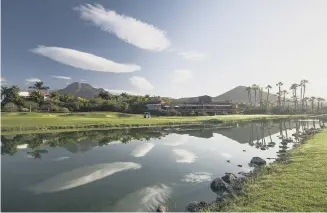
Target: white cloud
(128, 29)
(83, 60)
(182, 75)
(32, 80)
(3, 79)
(141, 83)
(83, 80)
(193, 55)
(61, 77)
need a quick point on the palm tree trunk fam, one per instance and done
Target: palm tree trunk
(279, 101)
(303, 91)
(255, 97)
(267, 98)
(301, 98)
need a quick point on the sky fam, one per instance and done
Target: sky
(171, 48)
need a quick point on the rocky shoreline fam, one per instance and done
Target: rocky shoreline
(231, 185)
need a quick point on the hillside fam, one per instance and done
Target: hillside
(82, 90)
(239, 95)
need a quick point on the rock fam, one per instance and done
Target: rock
(229, 178)
(239, 165)
(162, 208)
(195, 206)
(245, 174)
(244, 150)
(218, 185)
(258, 161)
(263, 148)
(228, 161)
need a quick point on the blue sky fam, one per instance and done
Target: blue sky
(168, 48)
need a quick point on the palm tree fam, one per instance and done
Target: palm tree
(303, 83)
(255, 89)
(305, 100)
(268, 87)
(249, 89)
(261, 92)
(321, 103)
(288, 101)
(284, 99)
(39, 86)
(294, 88)
(312, 99)
(320, 100)
(279, 84)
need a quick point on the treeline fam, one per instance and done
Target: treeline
(289, 101)
(55, 102)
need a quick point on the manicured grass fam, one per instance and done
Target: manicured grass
(300, 186)
(22, 122)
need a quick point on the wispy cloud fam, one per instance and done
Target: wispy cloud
(128, 29)
(141, 83)
(32, 80)
(3, 79)
(83, 80)
(193, 55)
(61, 77)
(83, 60)
(182, 75)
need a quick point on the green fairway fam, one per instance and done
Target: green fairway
(300, 186)
(38, 122)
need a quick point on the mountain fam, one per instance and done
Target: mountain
(82, 90)
(240, 95)
(237, 95)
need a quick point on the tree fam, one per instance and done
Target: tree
(104, 95)
(320, 100)
(39, 91)
(312, 99)
(304, 85)
(305, 100)
(279, 84)
(255, 88)
(37, 97)
(249, 89)
(31, 105)
(294, 88)
(39, 86)
(55, 95)
(10, 94)
(268, 87)
(284, 99)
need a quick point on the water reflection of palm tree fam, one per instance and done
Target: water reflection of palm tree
(280, 129)
(285, 129)
(251, 136)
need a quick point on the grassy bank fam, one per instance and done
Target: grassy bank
(39, 122)
(300, 186)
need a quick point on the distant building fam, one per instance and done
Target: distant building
(28, 95)
(155, 104)
(204, 105)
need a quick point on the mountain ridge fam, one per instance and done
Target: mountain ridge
(237, 94)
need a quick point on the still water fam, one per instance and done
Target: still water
(131, 169)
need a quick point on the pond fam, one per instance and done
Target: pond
(132, 169)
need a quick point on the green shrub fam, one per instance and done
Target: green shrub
(64, 110)
(10, 107)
